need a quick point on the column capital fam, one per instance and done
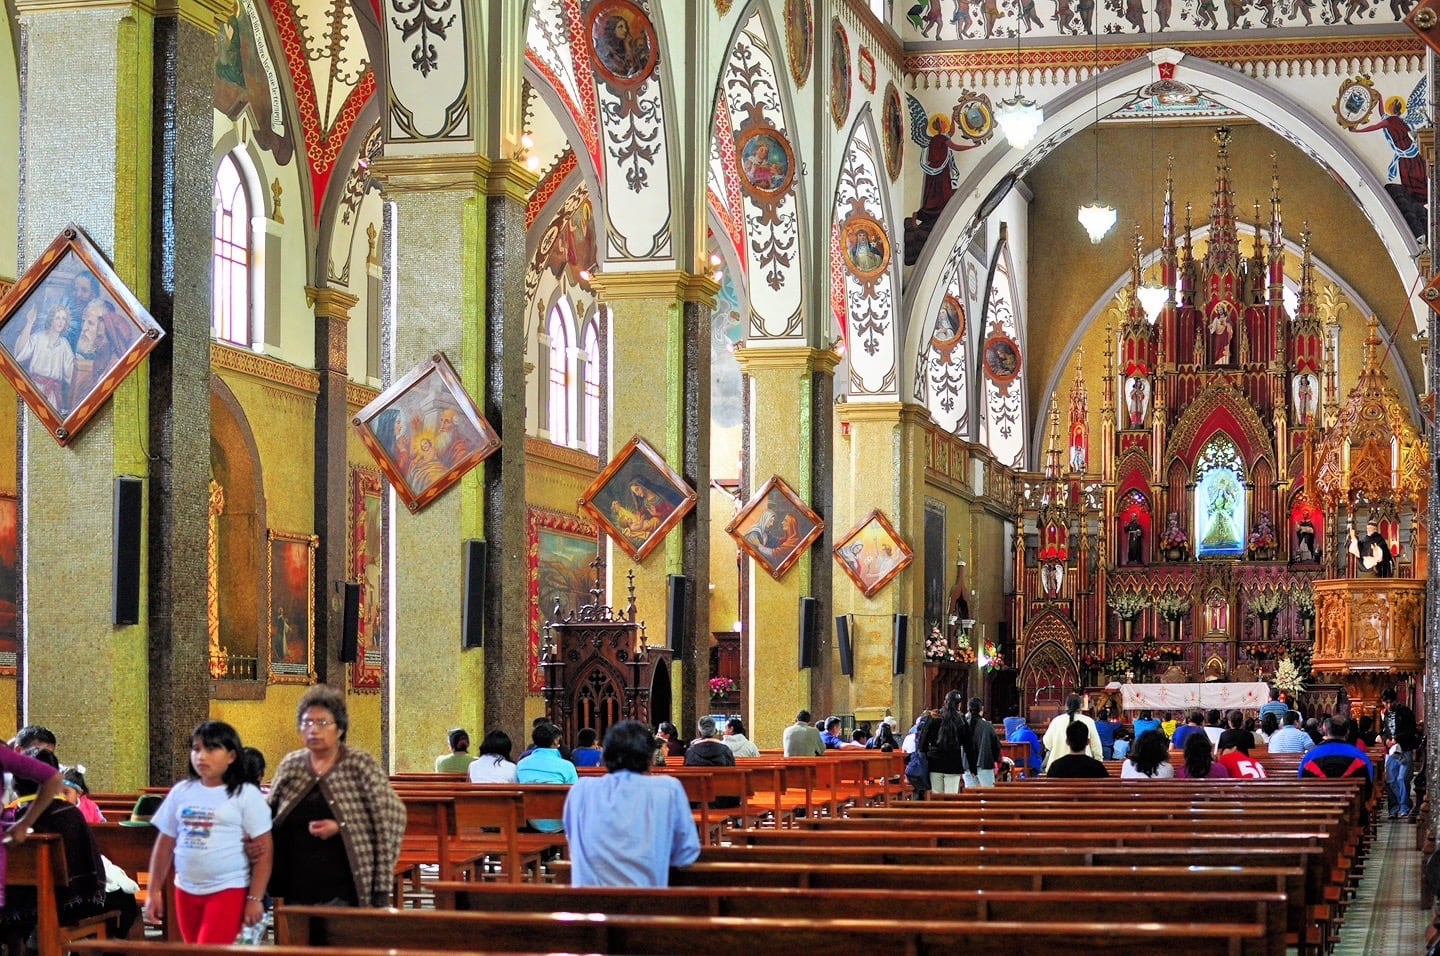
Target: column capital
(511, 178)
(903, 413)
(330, 303)
(205, 14)
(442, 172)
(754, 359)
(669, 284)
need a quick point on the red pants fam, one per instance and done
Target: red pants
(210, 917)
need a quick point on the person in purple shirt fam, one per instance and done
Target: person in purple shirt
(50, 781)
(628, 827)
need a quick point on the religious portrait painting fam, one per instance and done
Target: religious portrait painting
(638, 498)
(9, 583)
(623, 41)
(1001, 357)
(767, 165)
(426, 432)
(949, 325)
(366, 555)
(292, 609)
(839, 74)
(936, 592)
(872, 553)
(1219, 503)
(561, 550)
(775, 527)
(70, 333)
(892, 131)
(864, 247)
(800, 38)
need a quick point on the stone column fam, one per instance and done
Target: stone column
(438, 280)
(787, 433)
(332, 432)
(881, 464)
(660, 390)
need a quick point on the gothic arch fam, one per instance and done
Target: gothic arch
(1220, 408)
(1048, 675)
(1048, 627)
(1071, 112)
(240, 527)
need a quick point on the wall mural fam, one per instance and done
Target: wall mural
(892, 131)
(971, 123)
(366, 508)
(561, 548)
(245, 76)
(426, 64)
(800, 39)
(942, 380)
(839, 74)
(1001, 362)
(865, 253)
(1360, 108)
(773, 239)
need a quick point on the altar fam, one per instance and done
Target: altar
(1187, 697)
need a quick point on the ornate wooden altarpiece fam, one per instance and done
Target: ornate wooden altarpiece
(598, 668)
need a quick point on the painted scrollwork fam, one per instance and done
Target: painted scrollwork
(865, 249)
(422, 22)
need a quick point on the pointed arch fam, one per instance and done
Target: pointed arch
(867, 279)
(1002, 352)
(238, 583)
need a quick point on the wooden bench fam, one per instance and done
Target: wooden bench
(119, 948)
(39, 862)
(699, 936)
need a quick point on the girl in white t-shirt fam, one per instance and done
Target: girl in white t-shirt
(204, 823)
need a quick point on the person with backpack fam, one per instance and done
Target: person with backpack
(1054, 739)
(981, 746)
(942, 742)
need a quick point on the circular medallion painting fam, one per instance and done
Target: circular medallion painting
(949, 323)
(1357, 100)
(974, 117)
(623, 42)
(839, 74)
(767, 165)
(1001, 357)
(864, 247)
(800, 38)
(892, 131)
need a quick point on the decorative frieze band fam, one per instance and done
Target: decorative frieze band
(264, 368)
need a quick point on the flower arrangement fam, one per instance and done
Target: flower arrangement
(1128, 606)
(1091, 661)
(1119, 665)
(1148, 654)
(991, 659)
(1263, 537)
(964, 652)
(1305, 602)
(1287, 677)
(936, 647)
(1267, 602)
(1173, 538)
(720, 686)
(1260, 650)
(1172, 605)
(1171, 652)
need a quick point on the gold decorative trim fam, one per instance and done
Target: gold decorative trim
(264, 368)
(5, 286)
(899, 413)
(569, 457)
(511, 178)
(358, 396)
(786, 357)
(330, 303)
(670, 284)
(446, 172)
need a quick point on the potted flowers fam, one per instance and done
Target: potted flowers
(1262, 543)
(1172, 606)
(936, 647)
(1287, 678)
(1266, 603)
(1127, 607)
(721, 687)
(1173, 541)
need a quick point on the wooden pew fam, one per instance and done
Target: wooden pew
(699, 936)
(40, 862)
(141, 948)
(1097, 906)
(129, 848)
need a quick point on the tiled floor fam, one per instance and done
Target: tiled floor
(1386, 918)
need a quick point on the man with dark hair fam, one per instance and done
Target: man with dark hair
(735, 739)
(831, 736)
(628, 827)
(1077, 763)
(1290, 739)
(1194, 725)
(1234, 755)
(1214, 725)
(802, 740)
(545, 765)
(459, 758)
(1399, 736)
(1274, 706)
(1105, 730)
(34, 735)
(1334, 756)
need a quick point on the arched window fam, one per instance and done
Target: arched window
(230, 312)
(592, 387)
(559, 422)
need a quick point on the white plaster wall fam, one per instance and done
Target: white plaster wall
(9, 152)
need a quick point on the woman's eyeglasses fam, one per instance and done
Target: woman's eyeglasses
(307, 723)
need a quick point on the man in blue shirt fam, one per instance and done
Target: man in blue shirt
(831, 737)
(1290, 739)
(545, 765)
(1017, 731)
(1196, 725)
(629, 827)
(1105, 730)
(1275, 706)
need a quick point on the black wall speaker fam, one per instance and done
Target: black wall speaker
(676, 595)
(902, 641)
(129, 511)
(847, 650)
(350, 625)
(472, 611)
(809, 631)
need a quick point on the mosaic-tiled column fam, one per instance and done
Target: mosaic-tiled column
(660, 367)
(788, 401)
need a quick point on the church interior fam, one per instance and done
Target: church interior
(613, 358)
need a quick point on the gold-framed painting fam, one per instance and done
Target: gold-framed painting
(290, 572)
(364, 560)
(70, 333)
(864, 247)
(426, 432)
(775, 527)
(872, 553)
(561, 551)
(638, 498)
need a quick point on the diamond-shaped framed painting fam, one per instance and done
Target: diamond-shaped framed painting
(872, 553)
(775, 527)
(638, 498)
(70, 333)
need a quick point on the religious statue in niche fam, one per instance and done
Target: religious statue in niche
(1134, 541)
(1137, 401)
(1305, 538)
(1372, 550)
(1222, 332)
(1052, 577)
(1220, 492)
(1304, 398)
(1217, 614)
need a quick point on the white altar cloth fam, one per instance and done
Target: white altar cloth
(1223, 696)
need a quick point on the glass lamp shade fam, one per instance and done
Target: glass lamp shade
(1097, 219)
(1019, 119)
(1152, 300)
